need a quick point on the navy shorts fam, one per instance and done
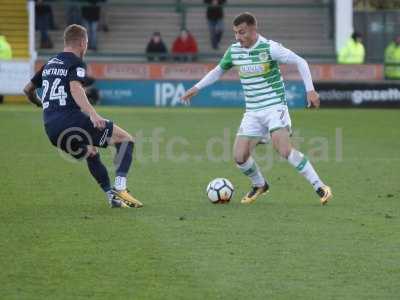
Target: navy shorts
(75, 132)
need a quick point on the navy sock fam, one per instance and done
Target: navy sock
(99, 172)
(123, 159)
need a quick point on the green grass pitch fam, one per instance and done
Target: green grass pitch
(59, 239)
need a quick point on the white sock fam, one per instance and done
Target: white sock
(120, 183)
(110, 195)
(302, 164)
(251, 169)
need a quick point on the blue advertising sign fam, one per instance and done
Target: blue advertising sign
(167, 93)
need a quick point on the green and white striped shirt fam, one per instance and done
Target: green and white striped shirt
(259, 72)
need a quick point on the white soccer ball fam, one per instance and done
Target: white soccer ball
(220, 190)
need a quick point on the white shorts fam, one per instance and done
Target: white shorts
(260, 124)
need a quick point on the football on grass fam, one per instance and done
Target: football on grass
(220, 190)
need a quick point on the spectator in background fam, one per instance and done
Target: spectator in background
(353, 52)
(73, 13)
(44, 17)
(91, 17)
(5, 54)
(392, 56)
(156, 49)
(103, 23)
(184, 47)
(215, 18)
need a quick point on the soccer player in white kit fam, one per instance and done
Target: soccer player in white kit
(257, 60)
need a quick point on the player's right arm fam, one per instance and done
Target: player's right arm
(30, 92)
(79, 95)
(30, 88)
(211, 77)
(207, 80)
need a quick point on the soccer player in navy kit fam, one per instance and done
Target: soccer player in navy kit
(71, 122)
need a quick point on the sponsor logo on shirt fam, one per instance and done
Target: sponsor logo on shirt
(263, 56)
(55, 61)
(252, 69)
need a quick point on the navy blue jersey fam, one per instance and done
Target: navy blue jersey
(55, 77)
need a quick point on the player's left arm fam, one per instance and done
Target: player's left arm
(286, 56)
(77, 78)
(80, 98)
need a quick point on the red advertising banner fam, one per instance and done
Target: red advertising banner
(119, 71)
(195, 71)
(356, 72)
(327, 72)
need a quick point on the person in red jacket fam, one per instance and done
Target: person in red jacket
(184, 47)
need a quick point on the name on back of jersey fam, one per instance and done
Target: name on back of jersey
(54, 72)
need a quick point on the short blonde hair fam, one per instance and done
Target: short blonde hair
(74, 34)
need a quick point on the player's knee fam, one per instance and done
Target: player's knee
(126, 138)
(91, 151)
(284, 152)
(122, 137)
(241, 158)
(130, 138)
(282, 147)
(80, 155)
